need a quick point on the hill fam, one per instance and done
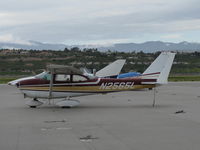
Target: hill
(147, 47)
(154, 46)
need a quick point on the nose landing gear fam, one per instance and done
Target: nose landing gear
(34, 103)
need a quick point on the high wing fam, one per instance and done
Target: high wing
(63, 69)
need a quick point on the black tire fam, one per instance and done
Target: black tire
(33, 106)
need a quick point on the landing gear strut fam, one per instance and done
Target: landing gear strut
(34, 103)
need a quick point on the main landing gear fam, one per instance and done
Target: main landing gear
(68, 103)
(34, 103)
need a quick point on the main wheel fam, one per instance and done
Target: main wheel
(32, 106)
(68, 103)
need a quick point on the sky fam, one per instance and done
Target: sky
(99, 21)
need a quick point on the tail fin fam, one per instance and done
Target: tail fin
(160, 68)
(112, 69)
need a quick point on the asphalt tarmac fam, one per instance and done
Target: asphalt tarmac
(117, 121)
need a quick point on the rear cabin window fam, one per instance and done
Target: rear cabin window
(78, 78)
(62, 78)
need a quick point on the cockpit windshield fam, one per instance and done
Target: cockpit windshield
(61, 77)
(44, 75)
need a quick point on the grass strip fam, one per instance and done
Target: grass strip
(184, 78)
(5, 80)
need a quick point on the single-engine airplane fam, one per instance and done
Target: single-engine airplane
(66, 82)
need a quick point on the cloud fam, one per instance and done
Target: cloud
(171, 36)
(94, 20)
(9, 38)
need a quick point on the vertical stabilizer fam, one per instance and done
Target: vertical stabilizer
(112, 69)
(160, 68)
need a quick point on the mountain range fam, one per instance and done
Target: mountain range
(150, 46)
(32, 45)
(153, 46)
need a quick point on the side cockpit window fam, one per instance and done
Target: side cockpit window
(62, 78)
(47, 77)
(79, 78)
(44, 75)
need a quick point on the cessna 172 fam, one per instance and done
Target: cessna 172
(66, 82)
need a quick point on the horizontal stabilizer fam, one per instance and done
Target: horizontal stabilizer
(112, 69)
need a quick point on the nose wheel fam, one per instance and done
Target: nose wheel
(34, 103)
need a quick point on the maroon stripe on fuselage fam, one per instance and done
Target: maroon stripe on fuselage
(106, 80)
(33, 82)
(41, 82)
